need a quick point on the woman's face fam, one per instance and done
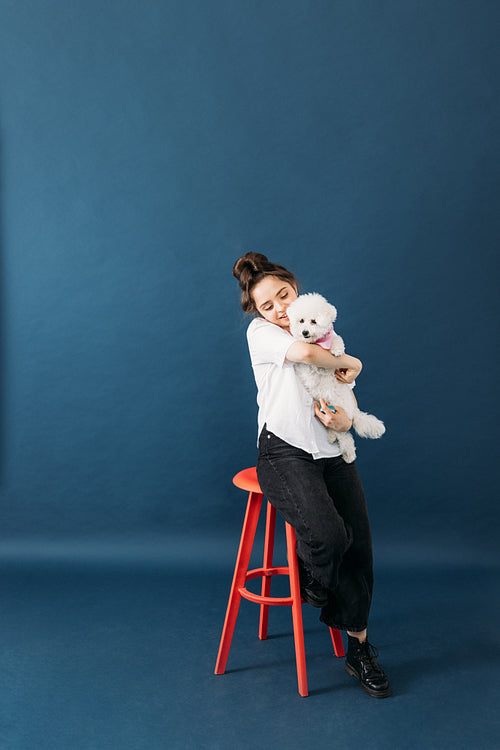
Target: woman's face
(272, 297)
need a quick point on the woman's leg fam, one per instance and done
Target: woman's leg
(325, 503)
(295, 484)
(350, 602)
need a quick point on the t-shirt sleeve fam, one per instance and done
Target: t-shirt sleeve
(268, 343)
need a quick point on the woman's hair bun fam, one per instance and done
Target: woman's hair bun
(250, 269)
(249, 265)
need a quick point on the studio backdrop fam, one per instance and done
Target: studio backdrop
(144, 147)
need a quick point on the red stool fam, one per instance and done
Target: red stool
(247, 480)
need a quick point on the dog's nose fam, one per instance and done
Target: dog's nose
(305, 334)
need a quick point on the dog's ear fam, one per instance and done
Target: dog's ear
(332, 312)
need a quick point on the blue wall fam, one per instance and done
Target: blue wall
(144, 146)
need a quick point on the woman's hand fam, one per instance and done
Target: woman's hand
(337, 420)
(346, 375)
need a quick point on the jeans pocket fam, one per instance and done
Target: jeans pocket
(273, 447)
(263, 441)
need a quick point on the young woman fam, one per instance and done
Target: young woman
(302, 474)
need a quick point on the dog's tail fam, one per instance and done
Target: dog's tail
(366, 425)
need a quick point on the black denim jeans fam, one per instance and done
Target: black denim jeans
(323, 499)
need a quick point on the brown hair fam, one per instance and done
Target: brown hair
(252, 268)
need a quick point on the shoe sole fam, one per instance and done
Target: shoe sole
(373, 693)
(313, 602)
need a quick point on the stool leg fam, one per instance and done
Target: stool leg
(268, 563)
(298, 629)
(338, 646)
(239, 580)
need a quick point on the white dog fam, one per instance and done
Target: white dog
(311, 320)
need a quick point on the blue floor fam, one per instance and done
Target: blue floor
(117, 656)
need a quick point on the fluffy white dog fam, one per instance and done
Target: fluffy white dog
(311, 320)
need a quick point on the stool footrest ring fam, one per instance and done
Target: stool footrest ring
(279, 601)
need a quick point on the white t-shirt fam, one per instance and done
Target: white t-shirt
(285, 407)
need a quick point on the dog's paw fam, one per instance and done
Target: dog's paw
(349, 455)
(332, 438)
(338, 347)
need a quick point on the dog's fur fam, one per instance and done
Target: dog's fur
(311, 318)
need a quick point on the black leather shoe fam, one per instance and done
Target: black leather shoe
(361, 662)
(311, 591)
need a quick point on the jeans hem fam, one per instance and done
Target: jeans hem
(351, 628)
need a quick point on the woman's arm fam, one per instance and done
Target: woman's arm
(312, 354)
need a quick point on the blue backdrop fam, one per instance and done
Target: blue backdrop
(144, 147)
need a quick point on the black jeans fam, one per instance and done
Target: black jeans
(323, 499)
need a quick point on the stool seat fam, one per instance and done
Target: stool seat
(247, 480)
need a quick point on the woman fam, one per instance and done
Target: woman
(302, 474)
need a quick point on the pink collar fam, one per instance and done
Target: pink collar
(326, 340)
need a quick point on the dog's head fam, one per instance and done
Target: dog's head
(310, 317)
